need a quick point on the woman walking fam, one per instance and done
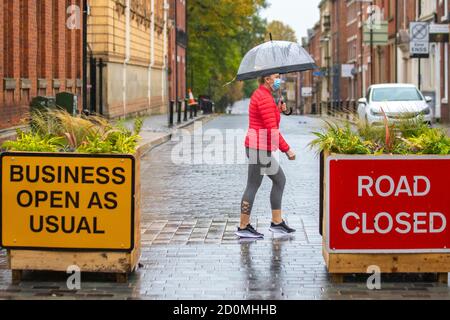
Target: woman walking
(262, 139)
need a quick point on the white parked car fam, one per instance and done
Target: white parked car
(398, 101)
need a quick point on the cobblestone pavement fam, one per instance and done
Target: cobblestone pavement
(190, 213)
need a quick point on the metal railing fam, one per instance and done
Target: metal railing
(189, 112)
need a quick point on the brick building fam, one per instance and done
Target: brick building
(128, 40)
(311, 103)
(133, 56)
(443, 16)
(343, 49)
(177, 50)
(41, 45)
(326, 50)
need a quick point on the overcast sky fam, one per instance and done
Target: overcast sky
(299, 14)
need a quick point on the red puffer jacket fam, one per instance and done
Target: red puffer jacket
(264, 125)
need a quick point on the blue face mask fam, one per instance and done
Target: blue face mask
(276, 85)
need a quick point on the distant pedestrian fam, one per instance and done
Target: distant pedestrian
(262, 139)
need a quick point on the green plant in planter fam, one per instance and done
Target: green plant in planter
(123, 142)
(341, 140)
(409, 128)
(138, 124)
(95, 145)
(114, 141)
(34, 142)
(404, 137)
(430, 142)
(59, 123)
(58, 131)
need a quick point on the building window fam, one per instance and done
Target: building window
(352, 12)
(159, 11)
(392, 9)
(55, 39)
(352, 48)
(8, 39)
(23, 39)
(40, 27)
(427, 7)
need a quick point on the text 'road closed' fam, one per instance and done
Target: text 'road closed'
(67, 202)
(388, 204)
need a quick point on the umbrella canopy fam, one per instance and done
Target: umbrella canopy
(274, 57)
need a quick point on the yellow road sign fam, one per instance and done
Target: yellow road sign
(67, 201)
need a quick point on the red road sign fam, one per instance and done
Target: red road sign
(388, 204)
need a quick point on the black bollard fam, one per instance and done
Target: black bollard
(171, 106)
(179, 111)
(185, 111)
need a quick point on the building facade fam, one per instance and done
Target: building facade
(350, 64)
(128, 48)
(443, 16)
(177, 50)
(41, 45)
(310, 82)
(325, 53)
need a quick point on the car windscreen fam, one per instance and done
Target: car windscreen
(396, 94)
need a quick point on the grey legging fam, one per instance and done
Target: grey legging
(262, 163)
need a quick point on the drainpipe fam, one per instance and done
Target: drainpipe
(397, 24)
(127, 55)
(176, 56)
(164, 71)
(152, 52)
(85, 84)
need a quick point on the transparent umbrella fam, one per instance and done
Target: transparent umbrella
(275, 57)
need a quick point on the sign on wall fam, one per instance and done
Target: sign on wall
(439, 32)
(378, 34)
(347, 70)
(388, 204)
(64, 201)
(307, 92)
(419, 39)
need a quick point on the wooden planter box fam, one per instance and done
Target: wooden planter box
(354, 253)
(100, 204)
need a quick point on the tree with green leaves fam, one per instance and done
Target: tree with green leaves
(220, 33)
(280, 31)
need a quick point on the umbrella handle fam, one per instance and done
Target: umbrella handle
(288, 113)
(280, 98)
